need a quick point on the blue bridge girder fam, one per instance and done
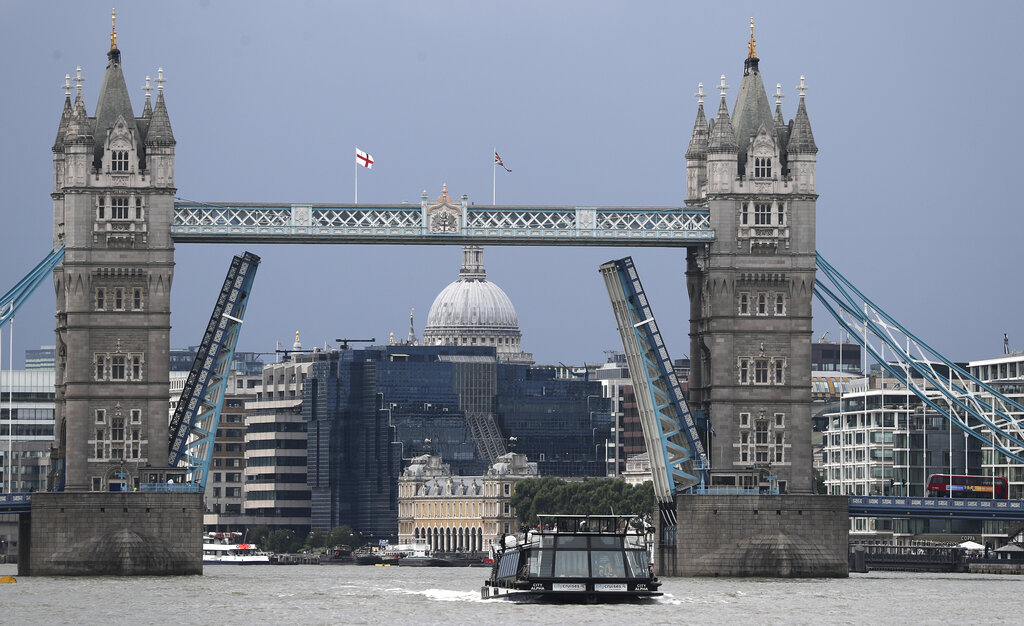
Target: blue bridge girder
(200, 222)
(936, 508)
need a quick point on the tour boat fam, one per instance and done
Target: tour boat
(226, 549)
(576, 558)
(416, 554)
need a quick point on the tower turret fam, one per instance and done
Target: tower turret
(697, 152)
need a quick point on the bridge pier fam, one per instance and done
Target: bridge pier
(112, 534)
(772, 536)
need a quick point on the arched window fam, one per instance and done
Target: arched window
(762, 167)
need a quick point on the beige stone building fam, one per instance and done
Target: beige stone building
(459, 513)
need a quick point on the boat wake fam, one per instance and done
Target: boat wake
(449, 595)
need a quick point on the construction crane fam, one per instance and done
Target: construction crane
(193, 426)
(344, 342)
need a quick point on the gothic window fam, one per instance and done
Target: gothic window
(744, 374)
(136, 418)
(136, 368)
(101, 416)
(745, 420)
(117, 429)
(100, 209)
(761, 432)
(744, 303)
(101, 296)
(760, 371)
(119, 160)
(117, 367)
(780, 420)
(119, 208)
(137, 298)
(138, 208)
(118, 299)
(780, 304)
(781, 208)
(780, 448)
(744, 215)
(762, 167)
(762, 214)
(762, 304)
(101, 369)
(780, 365)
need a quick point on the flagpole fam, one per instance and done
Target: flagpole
(494, 174)
(356, 162)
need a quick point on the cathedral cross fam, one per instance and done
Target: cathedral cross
(722, 86)
(778, 94)
(147, 88)
(78, 80)
(802, 87)
(700, 93)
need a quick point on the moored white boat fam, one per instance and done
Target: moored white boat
(227, 549)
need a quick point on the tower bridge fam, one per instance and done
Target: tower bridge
(747, 223)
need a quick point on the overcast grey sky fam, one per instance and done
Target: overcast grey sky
(589, 103)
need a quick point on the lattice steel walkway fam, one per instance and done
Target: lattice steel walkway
(452, 222)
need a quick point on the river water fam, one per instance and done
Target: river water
(261, 595)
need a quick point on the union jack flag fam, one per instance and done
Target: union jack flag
(498, 161)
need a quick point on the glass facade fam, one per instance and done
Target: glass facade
(367, 410)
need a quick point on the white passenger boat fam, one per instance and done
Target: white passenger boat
(227, 549)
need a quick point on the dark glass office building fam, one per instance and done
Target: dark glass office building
(367, 410)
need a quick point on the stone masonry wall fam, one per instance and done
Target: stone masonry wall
(115, 534)
(785, 536)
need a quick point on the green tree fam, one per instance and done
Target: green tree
(283, 540)
(258, 535)
(316, 539)
(343, 536)
(592, 496)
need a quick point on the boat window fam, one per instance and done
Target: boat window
(547, 541)
(607, 564)
(571, 564)
(541, 563)
(573, 542)
(639, 566)
(508, 565)
(606, 542)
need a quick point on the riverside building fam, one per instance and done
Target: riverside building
(459, 513)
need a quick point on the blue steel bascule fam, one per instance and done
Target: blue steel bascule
(674, 448)
(194, 425)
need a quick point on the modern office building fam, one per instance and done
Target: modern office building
(26, 428)
(1005, 374)
(273, 481)
(368, 409)
(42, 358)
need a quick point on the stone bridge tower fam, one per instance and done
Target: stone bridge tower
(751, 290)
(113, 200)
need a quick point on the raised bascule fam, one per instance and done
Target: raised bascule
(747, 223)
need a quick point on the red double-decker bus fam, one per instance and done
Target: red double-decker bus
(946, 486)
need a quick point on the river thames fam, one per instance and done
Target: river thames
(350, 594)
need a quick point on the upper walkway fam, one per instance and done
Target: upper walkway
(468, 224)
